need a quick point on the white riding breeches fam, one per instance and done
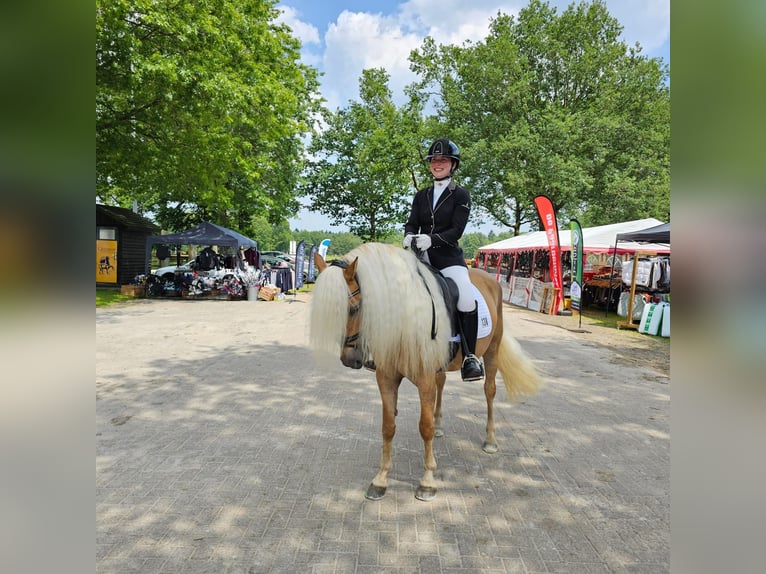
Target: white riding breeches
(459, 274)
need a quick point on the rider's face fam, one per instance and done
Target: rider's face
(440, 166)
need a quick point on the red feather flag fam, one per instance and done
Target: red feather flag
(548, 221)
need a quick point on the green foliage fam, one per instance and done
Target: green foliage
(342, 243)
(200, 109)
(263, 233)
(554, 104)
(105, 297)
(363, 171)
(471, 242)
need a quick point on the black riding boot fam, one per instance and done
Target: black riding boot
(472, 369)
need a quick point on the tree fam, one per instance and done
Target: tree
(200, 107)
(556, 105)
(365, 159)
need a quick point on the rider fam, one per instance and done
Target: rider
(437, 219)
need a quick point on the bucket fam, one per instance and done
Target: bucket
(252, 293)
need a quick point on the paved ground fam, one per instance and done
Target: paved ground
(221, 449)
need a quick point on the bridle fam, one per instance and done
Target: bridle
(354, 306)
(355, 303)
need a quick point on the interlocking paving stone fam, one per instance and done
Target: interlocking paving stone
(221, 447)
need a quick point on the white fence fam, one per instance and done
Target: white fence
(524, 292)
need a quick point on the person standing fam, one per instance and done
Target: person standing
(438, 217)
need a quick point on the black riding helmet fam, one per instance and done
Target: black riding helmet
(446, 148)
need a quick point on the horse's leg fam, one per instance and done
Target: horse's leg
(490, 389)
(427, 390)
(388, 387)
(441, 377)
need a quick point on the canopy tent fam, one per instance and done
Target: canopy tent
(599, 239)
(649, 238)
(205, 233)
(656, 234)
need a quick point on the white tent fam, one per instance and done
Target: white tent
(599, 239)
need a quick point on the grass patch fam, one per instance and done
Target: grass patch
(105, 297)
(610, 320)
(600, 317)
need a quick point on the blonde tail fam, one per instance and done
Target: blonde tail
(519, 373)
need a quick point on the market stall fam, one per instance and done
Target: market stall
(522, 261)
(214, 273)
(647, 274)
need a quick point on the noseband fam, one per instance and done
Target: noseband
(353, 308)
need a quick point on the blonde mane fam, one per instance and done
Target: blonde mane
(396, 310)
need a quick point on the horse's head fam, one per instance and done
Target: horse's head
(350, 355)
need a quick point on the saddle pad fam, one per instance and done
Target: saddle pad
(485, 319)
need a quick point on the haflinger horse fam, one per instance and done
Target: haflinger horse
(381, 302)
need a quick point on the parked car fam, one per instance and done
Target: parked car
(277, 256)
(275, 261)
(169, 272)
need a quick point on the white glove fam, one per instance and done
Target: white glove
(407, 243)
(423, 242)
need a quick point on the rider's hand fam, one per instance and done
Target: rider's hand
(423, 242)
(407, 243)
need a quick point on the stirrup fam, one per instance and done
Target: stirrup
(369, 364)
(472, 369)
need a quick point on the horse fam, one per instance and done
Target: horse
(381, 301)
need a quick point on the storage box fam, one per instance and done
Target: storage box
(651, 319)
(133, 290)
(665, 328)
(267, 292)
(639, 303)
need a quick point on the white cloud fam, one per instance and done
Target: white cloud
(358, 41)
(455, 21)
(306, 33)
(361, 40)
(644, 21)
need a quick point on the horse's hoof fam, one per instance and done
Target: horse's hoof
(489, 448)
(375, 492)
(425, 493)
(438, 432)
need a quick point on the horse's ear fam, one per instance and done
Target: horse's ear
(350, 271)
(319, 261)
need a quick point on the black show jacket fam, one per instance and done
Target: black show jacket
(444, 224)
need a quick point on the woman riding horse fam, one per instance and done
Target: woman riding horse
(436, 223)
(382, 299)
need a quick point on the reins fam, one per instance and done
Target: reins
(433, 305)
(419, 254)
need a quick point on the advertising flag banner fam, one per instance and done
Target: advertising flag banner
(548, 220)
(312, 273)
(323, 247)
(575, 290)
(300, 257)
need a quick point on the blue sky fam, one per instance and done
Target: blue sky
(342, 37)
